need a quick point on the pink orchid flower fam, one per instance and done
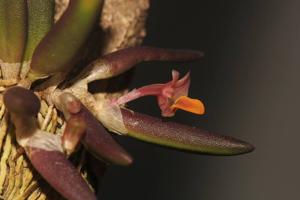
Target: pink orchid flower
(171, 96)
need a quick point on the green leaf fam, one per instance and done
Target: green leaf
(13, 28)
(60, 46)
(40, 20)
(180, 136)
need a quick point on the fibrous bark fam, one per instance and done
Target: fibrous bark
(122, 25)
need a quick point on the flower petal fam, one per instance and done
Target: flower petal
(188, 104)
(181, 86)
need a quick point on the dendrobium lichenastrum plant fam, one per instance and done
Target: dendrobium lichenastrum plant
(33, 48)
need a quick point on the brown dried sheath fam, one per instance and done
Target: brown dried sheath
(180, 136)
(60, 174)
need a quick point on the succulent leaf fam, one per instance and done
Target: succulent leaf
(101, 144)
(23, 106)
(13, 28)
(59, 47)
(96, 139)
(180, 136)
(40, 20)
(21, 101)
(124, 59)
(115, 63)
(60, 174)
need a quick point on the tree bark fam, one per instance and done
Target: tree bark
(122, 25)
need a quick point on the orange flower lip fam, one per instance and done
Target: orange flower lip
(190, 105)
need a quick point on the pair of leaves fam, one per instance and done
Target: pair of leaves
(23, 23)
(27, 33)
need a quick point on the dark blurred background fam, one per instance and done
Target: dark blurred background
(249, 83)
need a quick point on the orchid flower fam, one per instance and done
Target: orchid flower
(171, 96)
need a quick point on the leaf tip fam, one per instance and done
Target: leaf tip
(22, 101)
